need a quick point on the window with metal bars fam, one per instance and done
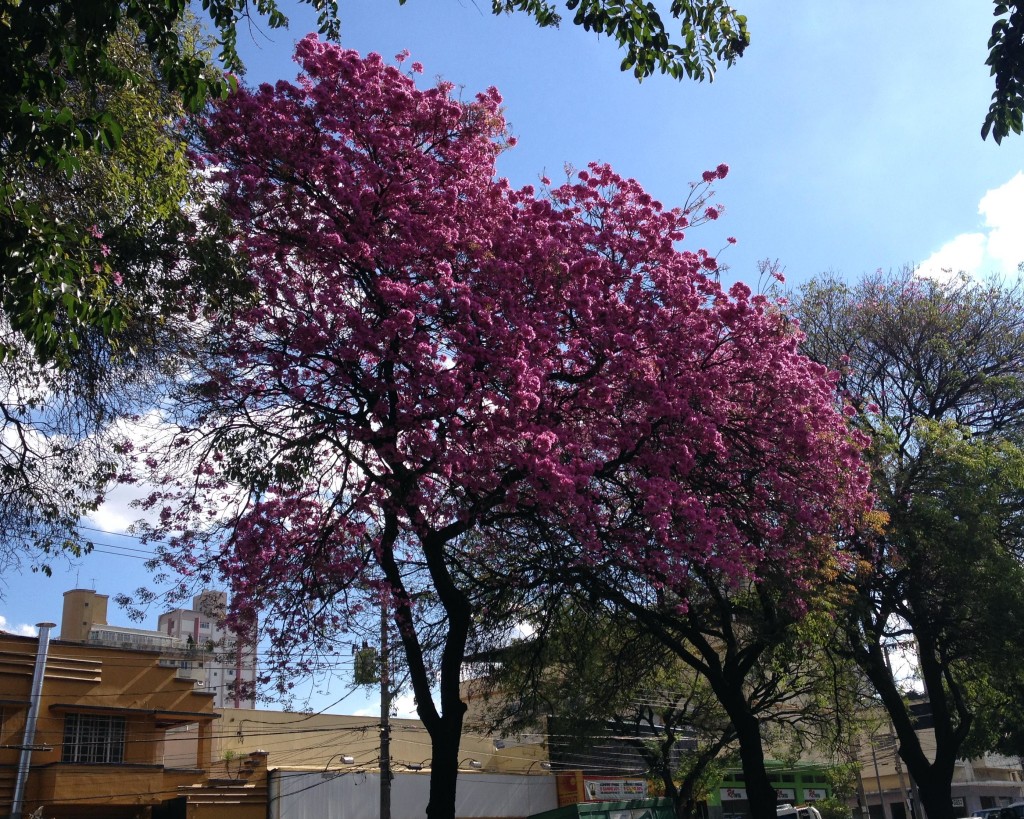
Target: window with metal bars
(93, 738)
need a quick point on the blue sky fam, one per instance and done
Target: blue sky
(851, 130)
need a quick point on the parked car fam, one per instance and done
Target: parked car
(1013, 811)
(797, 812)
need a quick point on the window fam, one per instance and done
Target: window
(12, 722)
(204, 625)
(93, 738)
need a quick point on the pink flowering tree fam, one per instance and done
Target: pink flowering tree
(436, 362)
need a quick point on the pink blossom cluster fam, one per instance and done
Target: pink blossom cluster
(434, 352)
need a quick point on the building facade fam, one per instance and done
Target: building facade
(328, 765)
(192, 640)
(101, 718)
(801, 784)
(230, 663)
(990, 781)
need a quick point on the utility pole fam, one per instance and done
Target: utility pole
(878, 777)
(862, 797)
(911, 792)
(385, 713)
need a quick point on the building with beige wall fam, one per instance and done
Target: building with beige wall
(322, 741)
(323, 765)
(192, 639)
(84, 620)
(230, 663)
(102, 718)
(987, 782)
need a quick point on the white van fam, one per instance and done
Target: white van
(798, 812)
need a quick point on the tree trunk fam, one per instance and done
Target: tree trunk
(672, 792)
(726, 671)
(444, 765)
(727, 681)
(444, 725)
(936, 795)
(684, 804)
(933, 772)
(760, 792)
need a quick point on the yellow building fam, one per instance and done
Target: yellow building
(102, 717)
(323, 741)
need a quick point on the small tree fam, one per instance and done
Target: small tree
(842, 782)
(763, 648)
(591, 671)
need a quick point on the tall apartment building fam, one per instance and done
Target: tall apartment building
(191, 640)
(230, 663)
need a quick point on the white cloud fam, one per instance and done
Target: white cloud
(1003, 209)
(997, 249)
(24, 629)
(403, 706)
(118, 512)
(964, 253)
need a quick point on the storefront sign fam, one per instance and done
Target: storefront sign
(615, 789)
(785, 794)
(813, 794)
(732, 794)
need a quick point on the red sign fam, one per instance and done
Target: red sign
(569, 787)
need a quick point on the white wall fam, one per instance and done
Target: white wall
(356, 795)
